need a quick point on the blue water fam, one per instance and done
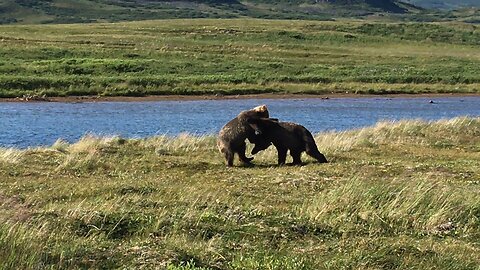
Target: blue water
(33, 124)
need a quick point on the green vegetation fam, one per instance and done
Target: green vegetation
(86, 11)
(74, 11)
(467, 15)
(400, 195)
(445, 4)
(237, 57)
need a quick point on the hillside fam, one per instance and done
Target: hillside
(70, 11)
(445, 4)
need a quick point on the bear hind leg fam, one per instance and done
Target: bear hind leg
(313, 152)
(282, 155)
(296, 155)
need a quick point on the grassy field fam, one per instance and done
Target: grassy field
(238, 56)
(396, 195)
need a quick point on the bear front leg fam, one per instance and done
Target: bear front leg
(229, 156)
(260, 141)
(241, 153)
(260, 146)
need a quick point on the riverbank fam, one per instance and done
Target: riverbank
(394, 195)
(76, 99)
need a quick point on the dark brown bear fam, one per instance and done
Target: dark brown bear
(286, 136)
(231, 138)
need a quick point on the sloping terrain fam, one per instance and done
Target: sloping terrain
(70, 11)
(446, 4)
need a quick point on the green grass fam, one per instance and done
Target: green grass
(240, 56)
(401, 195)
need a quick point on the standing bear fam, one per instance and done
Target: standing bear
(285, 136)
(231, 138)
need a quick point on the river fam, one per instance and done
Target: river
(36, 124)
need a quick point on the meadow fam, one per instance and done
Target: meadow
(238, 56)
(397, 195)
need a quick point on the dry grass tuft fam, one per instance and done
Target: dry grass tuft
(84, 153)
(183, 143)
(91, 144)
(11, 155)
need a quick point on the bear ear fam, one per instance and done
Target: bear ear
(261, 108)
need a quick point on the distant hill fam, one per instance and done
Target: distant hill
(446, 4)
(71, 11)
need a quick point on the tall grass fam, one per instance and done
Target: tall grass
(395, 195)
(10, 155)
(398, 206)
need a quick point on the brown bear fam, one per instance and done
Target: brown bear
(231, 138)
(285, 136)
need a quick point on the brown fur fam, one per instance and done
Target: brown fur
(231, 138)
(286, 136)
